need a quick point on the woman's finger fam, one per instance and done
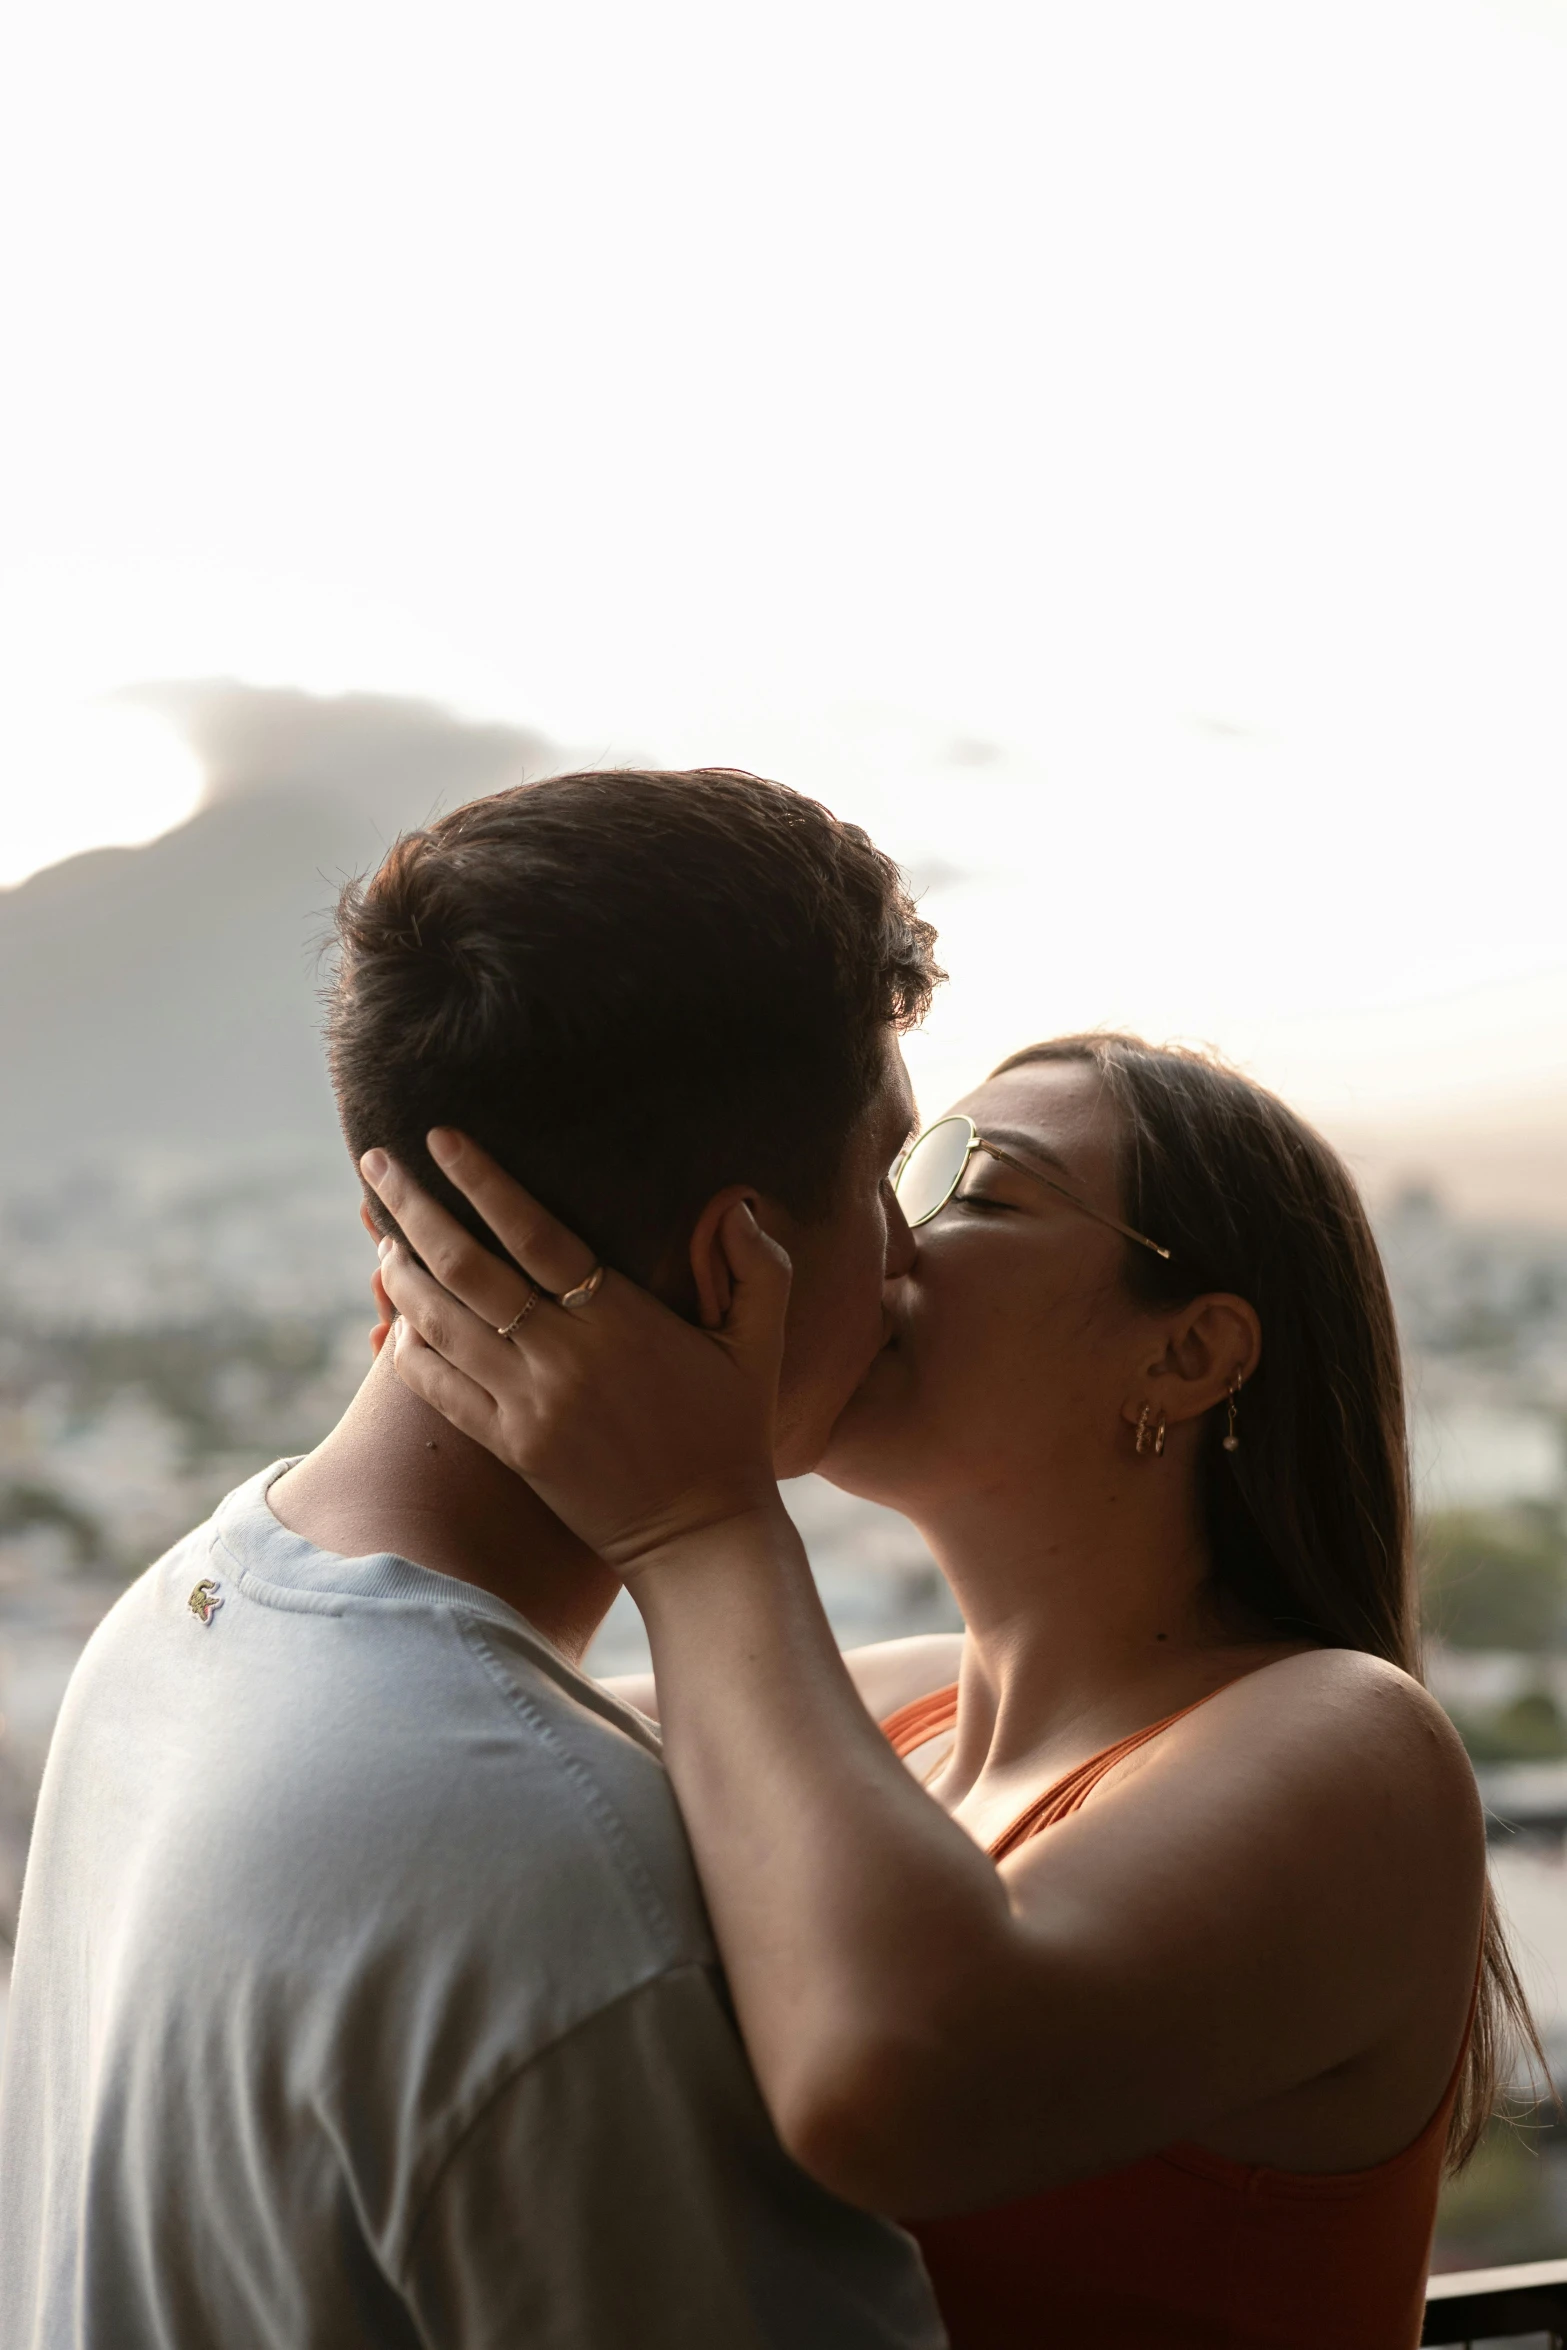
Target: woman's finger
(454, 1331)
(555, 1257)
(469, 1407)
(385, 1309)
(490, 1288)
(760, 1296)
(761, 1274)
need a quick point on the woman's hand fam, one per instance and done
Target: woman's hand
(386, 1314)
(635, 1428)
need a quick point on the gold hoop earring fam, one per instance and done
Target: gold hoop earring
(1158, 1437)
(1143, 1419)
(1232, 1442)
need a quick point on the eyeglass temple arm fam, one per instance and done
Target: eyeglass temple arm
(1039, 1175)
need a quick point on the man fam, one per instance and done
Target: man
(363, 1991)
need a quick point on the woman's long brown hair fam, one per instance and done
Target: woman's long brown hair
(1309, 1522)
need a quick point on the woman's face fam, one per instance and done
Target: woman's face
(1014, 1343)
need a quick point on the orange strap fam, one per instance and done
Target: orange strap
(926, 1717)
(912, 1724)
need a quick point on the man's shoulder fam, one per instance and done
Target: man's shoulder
(386, 1764)
(333, 1857)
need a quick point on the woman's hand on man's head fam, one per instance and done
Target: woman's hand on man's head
(386, 1312)
(634, 1427)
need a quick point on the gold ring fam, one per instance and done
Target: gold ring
(518, 1320)
(584, 1291)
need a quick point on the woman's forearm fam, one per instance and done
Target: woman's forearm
(867, 1940)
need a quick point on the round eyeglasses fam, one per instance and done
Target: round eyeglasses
(931, 1169)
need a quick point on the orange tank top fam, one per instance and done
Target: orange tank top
(1185, 2250)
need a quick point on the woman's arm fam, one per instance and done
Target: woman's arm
(887, 1674)
(1263, 1902)
(863, 1932)
(636, 1689)
(1287, 1877)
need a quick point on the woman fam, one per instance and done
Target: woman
(1160, 2020)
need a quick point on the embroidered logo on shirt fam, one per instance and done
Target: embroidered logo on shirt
(205, 1601)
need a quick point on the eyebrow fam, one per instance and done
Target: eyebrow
(1027, 1146)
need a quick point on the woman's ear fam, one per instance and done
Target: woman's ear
(1217, 1342)
(710, 1272)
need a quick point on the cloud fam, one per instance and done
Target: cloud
(377, 748)
(164, 997)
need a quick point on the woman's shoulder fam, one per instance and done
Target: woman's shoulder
(892, 1673)
(1341, 1721)
(1319, 1813)
(1349, 1690)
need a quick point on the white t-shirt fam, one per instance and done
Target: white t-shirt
(364, 1996)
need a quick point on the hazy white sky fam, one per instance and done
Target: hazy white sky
(1170, 398)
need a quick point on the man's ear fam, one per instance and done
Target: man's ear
(709, 1265)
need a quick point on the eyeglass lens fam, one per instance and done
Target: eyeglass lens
(930, 1173)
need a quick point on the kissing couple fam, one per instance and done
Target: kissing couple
(1119, 1971)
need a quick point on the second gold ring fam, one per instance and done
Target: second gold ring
(517, 1320)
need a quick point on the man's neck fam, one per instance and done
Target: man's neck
(393, 1475)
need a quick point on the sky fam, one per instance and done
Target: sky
(1116, 453)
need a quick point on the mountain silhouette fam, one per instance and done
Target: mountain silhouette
(166, 997)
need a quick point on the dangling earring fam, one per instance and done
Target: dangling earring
(1232, 1442)
(1158, 1437)
(1143, 1431)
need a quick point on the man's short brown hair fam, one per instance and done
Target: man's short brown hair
(633, 988)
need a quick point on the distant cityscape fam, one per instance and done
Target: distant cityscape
(169, 1327)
